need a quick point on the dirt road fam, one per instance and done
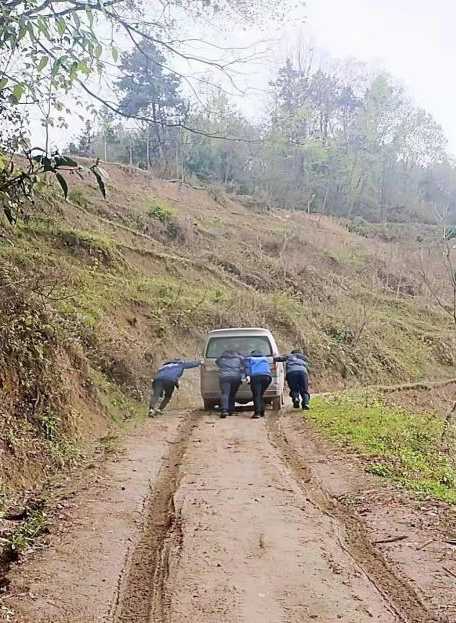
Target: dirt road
(210, 521)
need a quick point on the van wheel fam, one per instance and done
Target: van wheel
(277, 403)
(208, 405)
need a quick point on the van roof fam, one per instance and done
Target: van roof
(240, 331)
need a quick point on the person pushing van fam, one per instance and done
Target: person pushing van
(297, 377)
(231, 373)
(258, 369)
(166, 381)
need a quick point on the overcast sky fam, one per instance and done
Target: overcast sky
(415, 40)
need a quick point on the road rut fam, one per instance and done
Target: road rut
(235, 530)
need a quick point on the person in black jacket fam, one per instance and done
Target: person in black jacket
(231, 373)
(297, 377)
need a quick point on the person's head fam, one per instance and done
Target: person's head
(299, 351)
(256, 353)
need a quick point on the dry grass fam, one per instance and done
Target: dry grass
(141, 282)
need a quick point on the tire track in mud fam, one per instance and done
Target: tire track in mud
(142, 595)
(404, 602)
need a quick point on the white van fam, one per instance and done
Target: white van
(244, 341)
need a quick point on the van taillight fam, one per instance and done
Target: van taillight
(274, 367)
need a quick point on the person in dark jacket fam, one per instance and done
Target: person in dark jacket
(166, 381)
(231, 374)
(258, 369)
(297, 377)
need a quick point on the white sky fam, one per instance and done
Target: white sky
(415, 40)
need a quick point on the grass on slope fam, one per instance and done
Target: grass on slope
(400, 445)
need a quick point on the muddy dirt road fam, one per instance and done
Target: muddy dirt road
(205, 520)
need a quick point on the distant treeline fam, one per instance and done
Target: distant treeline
(342, 141)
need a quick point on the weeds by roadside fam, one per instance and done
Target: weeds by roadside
(26, 533)
(399, 444)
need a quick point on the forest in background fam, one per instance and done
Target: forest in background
(336, 138)
(340, 140)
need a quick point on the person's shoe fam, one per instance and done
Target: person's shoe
(296, 404)
(230, 413)
(151, 413)
(223, 415)
(262, 414)
(305, 407)
(255, 416)
(158, 412)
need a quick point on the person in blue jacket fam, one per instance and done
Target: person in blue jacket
(166, 381)
(297, 377)
(258, 368)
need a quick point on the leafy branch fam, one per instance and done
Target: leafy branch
(18, 185)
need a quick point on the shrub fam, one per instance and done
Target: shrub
(161, 212)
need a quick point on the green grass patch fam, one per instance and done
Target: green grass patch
(400, 445)
(160, 210)
(24, 536)
(77, 196)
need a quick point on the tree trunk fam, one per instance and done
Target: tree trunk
(449, 432)
(148, 148)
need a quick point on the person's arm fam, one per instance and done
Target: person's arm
(191, 364)
(245, 367)
(280, 359)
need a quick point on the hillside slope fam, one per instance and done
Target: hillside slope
(95, 293)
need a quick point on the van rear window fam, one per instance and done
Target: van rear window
(240, 344)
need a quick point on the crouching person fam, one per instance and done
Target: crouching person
(258, 369)
(166, 381)
(297, 377)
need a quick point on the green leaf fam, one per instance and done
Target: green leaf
(43, 26)
(115, 54)
(65, 161)
(18, 92)
(90, 16)
(61, 25)
(98, 51)
(77, 21)
(74, 70)
(42, 64)
(3, 83)
(63, 183)
(56, 67)
(9, 215)
(45, 162)
(21, 33)
(83, 67)
(100, 181)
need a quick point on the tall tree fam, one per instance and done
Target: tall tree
(150, 90)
